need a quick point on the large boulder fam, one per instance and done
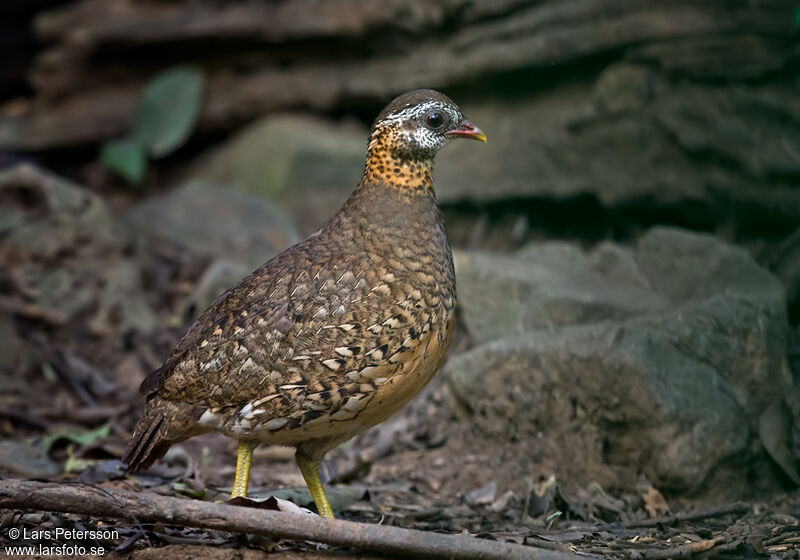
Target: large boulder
(699, 152)
(639, 137)
(217, 222)
(601, 365)
(262, 57)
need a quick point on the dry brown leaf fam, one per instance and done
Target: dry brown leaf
(654, 503)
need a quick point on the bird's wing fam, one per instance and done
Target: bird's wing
(300, 322)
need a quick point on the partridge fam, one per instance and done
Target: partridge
(334, 334)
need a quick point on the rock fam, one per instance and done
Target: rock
(550, 286)
(27, 460)
(777, 434)
(785, 263)
(221, 223)
(307, 165)
(704, 58)
(64, 259)
(483, 495)
(574, 378)
(285, 55)
(636, 138)
(639, 138)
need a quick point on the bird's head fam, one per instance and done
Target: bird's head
(415, 125)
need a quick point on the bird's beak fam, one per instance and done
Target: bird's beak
(467, 130)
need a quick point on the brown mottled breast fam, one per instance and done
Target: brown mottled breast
(339, 330)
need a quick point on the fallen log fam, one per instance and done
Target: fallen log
(147, 507)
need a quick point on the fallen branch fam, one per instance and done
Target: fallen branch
(692, 516)
(683, 551)
(144, 506)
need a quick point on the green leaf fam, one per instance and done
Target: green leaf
(188, 490)
(81, 438)
(49, 373)
(73, 462)
(797, 16)
(125, 157)
(168, 110)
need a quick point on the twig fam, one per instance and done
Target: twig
(29, 418)
(683, 551)
(57, 359)
(738, 507)
(728, 547)
(145, 506)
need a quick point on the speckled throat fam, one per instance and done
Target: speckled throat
(388, 166)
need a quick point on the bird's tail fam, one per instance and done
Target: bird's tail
(148, 443)
(163, 424)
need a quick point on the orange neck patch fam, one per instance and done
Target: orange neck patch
(386, 165)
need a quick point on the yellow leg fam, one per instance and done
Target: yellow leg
(310, 470)
(244, 458)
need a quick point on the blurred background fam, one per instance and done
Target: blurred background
(627, 243)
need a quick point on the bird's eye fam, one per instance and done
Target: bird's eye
(435, 119)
